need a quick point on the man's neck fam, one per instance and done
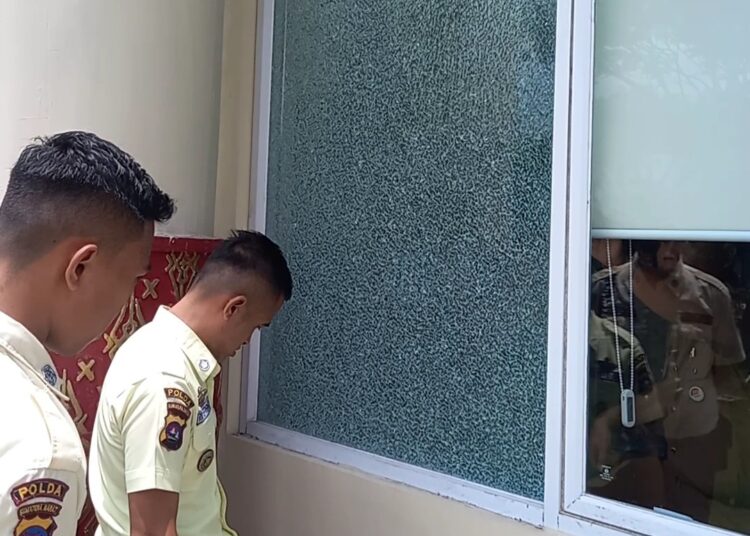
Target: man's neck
(652, 275)
(192, 315)
(22, 299)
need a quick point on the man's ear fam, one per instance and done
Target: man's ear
(234, 305)
(78, 264)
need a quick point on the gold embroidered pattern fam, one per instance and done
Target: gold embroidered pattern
(182, 268)
(86, 370)
(150, 289)
(129, 320)
(74, 407)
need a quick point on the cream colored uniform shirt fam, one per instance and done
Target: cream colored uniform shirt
(156, 429)
(704, 336)
(42, 462)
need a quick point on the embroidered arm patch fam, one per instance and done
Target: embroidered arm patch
(39, 516)
(179, 406)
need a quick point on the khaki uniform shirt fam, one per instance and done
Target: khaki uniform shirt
(156, 429)
(703, 336)
(42, 462)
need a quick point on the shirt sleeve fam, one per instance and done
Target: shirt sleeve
(155, 429)
(726, 341)
(41, 501)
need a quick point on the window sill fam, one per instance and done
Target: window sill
(498, 502)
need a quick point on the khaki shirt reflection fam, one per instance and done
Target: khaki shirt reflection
(42, 462)
(156, 429)
(702, 336)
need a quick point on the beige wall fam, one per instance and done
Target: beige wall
(235, 131)
(273, 492)
(143, 73)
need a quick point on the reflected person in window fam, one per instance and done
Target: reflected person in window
(152, 467)
(599, 259)
(685, 322)
(622, 461)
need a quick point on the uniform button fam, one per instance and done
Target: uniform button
(674, 408)
(695, 371)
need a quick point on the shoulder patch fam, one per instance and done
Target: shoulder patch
(43, 488)
(39, 516)
(179, 395)
(179, 406)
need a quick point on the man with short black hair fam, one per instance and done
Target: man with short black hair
(152, 455)
(76, 227)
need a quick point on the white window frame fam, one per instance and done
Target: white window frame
(566, 506)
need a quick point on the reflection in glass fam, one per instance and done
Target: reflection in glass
(669, 317)
(669, 162)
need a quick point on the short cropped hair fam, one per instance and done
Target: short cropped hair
(249, 252)
(71, 184)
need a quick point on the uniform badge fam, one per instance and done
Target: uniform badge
(50, 376)
(179, 406)
(204, 462)
(38, 518)
(204, 406)
(696, 394)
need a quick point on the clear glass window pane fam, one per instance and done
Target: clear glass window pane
(668, 387)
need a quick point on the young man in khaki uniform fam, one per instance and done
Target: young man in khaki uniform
(76, 227)
(152, 455)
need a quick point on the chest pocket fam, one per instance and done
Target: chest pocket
(204, 433)
(694, 349)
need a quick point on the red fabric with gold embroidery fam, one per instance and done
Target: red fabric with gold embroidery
(174, 264)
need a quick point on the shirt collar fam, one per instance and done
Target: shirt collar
(682, 282)
(24, 348)
(200, 357)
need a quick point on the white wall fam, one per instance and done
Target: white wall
(143, 73)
